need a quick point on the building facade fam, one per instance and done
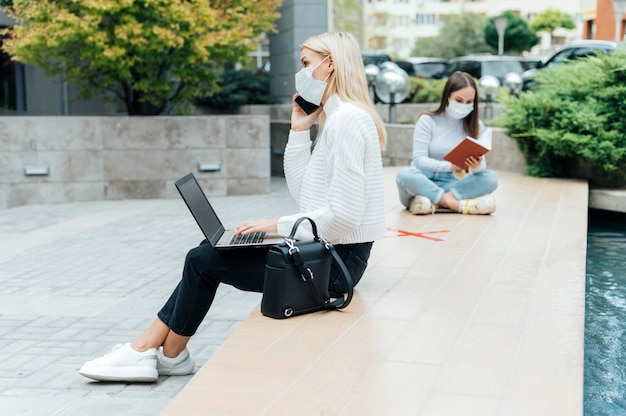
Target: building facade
(600, 22)
(394, 26)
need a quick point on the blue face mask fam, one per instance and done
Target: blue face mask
(459, 111)
(309, 88)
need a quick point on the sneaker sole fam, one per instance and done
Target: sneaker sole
(417, 208)
(147, 375)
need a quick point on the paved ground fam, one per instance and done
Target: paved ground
(79, 278)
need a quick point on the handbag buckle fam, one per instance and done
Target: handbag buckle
(309, 272)
(291, 245)
(327, 245)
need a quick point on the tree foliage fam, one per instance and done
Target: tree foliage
(151, 54)
(550, 19)
(348, 17)
(460, 35)
(518, 37)
(572, 124)
(239, 88)
(425, 90)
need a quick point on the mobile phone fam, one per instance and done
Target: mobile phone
(305, 105)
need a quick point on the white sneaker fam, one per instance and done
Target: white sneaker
(421, 205)
(123, 363)
(483, 205)
(180, 366)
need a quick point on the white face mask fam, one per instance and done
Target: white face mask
(309, 88)
(458, 111)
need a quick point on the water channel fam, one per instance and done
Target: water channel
(605, 315)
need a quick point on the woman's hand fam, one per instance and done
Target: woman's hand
(300, 120)
(473, 162)
(268, 226)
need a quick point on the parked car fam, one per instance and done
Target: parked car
(264, 69)
(423, 67)
(480, 65)
(530, 62)
(374, 57)
(567, 53)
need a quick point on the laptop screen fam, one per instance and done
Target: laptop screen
(200, 208)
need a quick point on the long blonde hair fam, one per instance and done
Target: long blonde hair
(348, 78)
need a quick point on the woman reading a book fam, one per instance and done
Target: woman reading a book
(432, 182)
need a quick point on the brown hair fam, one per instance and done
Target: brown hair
(457, 81)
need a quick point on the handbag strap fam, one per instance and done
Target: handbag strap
(307, 275)
(296, 224)
(345, 300)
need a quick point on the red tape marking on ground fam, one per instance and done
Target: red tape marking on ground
(404, 233)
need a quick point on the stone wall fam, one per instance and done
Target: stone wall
(504, 155)
(118, 157)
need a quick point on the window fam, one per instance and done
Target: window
(426, 19)
(399, 21)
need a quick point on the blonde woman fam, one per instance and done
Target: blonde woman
(339, 184)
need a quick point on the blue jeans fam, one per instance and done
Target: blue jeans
(432, 185)
(205, 268)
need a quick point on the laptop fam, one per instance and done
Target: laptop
(210, 224)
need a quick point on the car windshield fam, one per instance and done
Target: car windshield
(429, 69)
(501, 68)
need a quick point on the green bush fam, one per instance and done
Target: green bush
(573, 122)
(425, 90)
(237, 88)
(430, 90)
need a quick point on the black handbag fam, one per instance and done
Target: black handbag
(297, 274)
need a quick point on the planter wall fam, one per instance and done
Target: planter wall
(99, 158)
(505, 155)
(119, 157)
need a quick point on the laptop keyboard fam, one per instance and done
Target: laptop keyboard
(252, 238)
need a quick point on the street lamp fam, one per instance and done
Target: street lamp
(392, 86)
(513, 83)
(618, 8)
(488, 87)
(500, 23)
(371, 72)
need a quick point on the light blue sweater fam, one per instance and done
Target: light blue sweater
(434, 137)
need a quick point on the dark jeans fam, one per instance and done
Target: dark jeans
(205, 268)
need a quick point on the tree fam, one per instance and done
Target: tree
(239, 88)
(551, 19)
(348, 17)
(460, 35)
(518, 37)
(151, 54)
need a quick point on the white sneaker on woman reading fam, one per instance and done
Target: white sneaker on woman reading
(179, 366)
(483, 205)
(421, 205)
(123, 363)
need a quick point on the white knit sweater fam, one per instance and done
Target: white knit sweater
(340, 184)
